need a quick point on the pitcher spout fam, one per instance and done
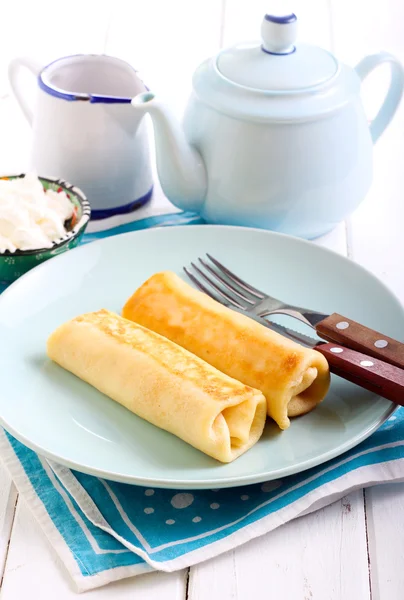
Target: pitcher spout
(180, 166)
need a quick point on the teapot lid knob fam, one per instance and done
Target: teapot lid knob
(278, 33)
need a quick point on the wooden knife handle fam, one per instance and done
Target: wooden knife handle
(370, 373)
(342, 330)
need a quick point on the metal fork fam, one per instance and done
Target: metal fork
(228, 288)
(236, 292)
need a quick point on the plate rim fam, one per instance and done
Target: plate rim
(110, 238)
(228, 482)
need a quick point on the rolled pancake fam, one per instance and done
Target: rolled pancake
(294, 379)
(161, 382)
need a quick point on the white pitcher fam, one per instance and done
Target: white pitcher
(85, 130)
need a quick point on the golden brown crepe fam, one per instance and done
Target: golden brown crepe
(293, 379)
(161, 382)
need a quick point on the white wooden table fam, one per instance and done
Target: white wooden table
(353, 549)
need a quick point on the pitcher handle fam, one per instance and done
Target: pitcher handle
(13, 73)
(394, 92)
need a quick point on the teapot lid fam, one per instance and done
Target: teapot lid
(278, 64)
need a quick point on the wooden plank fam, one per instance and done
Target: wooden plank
(8, 500)
(32, 565)
(319, 557)
(15, 153)
(385, 520)
(166, 41)
(376, 241)
(375, 229)
(361, 28)
(32, 28)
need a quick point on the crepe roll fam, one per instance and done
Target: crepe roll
(161, 382)
(293, 379)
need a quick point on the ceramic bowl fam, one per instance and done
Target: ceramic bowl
(15, 264)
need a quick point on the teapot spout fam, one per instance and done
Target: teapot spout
(180, 167)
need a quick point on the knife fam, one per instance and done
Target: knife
(341, 330)
(368, 372)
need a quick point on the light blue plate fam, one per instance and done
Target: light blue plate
(61, 417)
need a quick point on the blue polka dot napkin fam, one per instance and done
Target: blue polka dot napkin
(104, 531)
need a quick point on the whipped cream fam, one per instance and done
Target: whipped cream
(30, 217)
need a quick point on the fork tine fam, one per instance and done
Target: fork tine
(222, 293)
(243, 284)
(225, 283)
(200, 285)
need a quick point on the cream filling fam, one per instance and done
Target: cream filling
(239, 426)
(298, 400)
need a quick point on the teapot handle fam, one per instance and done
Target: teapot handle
(394, 93)
(13, 75)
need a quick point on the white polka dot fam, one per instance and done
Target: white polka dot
(182, 500)
(244, 497)
(170, 521)
(149, 510)
(149, 493)
(342, 325)
(270, 486)
(196, 519)
(336, 350)
(214, 505)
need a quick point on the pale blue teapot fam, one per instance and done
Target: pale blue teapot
(274, 135)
